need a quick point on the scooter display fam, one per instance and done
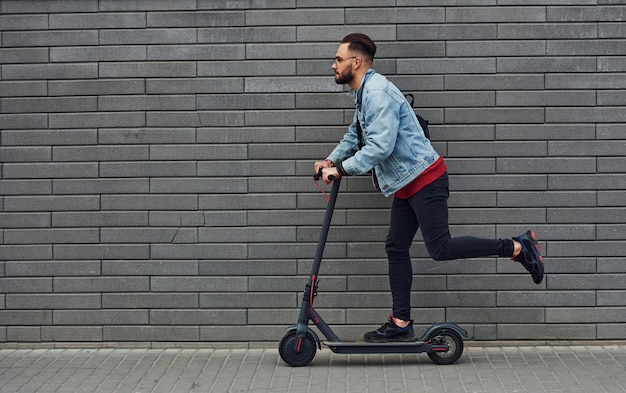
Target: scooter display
(443, 341)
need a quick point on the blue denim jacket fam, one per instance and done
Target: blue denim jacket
(395, 144)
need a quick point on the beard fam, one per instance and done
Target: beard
(345, 78)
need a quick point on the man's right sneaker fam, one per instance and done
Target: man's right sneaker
(530, 256)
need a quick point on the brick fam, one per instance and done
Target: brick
(252, 68)
(42, 6)
(447, 66)
(57, 268)
(197, 19)
(147, 36)
(195, 119)
(500, 314)
(150, 202)
(137, 235)
(245, 4)
(114, 136)
(293, 17)
(28, 55)
(71, 333)
(246, 268)
(98, 53)
(495, 14)
(24, 22)
(100, 317)
(198, 317)
(585, 315)
(138, 103)
(590, 214)
(100, 284)
(585, 81)
(191, 218)
(581, 14)
(148, 169)
(48, 137)
(244, 168)
(194, 85)
(609, 331)
(198, 251)
(100, 20)
(437, 31)
(50, 170)
(525, 48)
(546, 98)
(50, 38)
(199, 185)
(99, 219)
(28, 187)
(25, 154)
(611, 298)
(551, 31)
(100, 186)
(23, 334)
(100, 86)
(548, 165)
(153, 69)
(10, 285)
(53, 301)
(23, 121)
(149, 300)
(497, 115)
(21, 89)
(24, 220)
(151, 333)
(97, 120)
(545, 131)
(547, 198)
(247, 300)
(198, 152)
(245, 34)
(494, 82)
(244, 135)
(196, 52)
(549, 331)
(44, 236)
(100, 251)
(50, 71)
(51, 203)
(198, 284)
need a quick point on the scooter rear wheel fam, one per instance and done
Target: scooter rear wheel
(453, 340)
(287, 349)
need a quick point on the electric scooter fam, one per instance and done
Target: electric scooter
(443, 341)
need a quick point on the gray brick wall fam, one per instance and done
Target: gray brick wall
(156, 160)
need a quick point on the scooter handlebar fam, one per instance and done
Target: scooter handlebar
(319, 175)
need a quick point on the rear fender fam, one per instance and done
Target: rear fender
(444, 325)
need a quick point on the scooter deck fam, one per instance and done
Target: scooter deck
(369, 347)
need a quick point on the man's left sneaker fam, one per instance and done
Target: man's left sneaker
(530, 256)
(390, 332)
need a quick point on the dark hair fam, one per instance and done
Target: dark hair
(361, 43)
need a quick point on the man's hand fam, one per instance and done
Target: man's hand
(328, 169)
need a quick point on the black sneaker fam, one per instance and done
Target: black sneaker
(390, 332)
(530, 256)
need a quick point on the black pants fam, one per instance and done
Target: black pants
(428, 210)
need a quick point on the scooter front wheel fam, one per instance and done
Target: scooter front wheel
(448, 337)
(287, 349)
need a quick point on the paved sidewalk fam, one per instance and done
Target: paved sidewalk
(568, 369)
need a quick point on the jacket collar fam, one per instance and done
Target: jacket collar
(357, 95)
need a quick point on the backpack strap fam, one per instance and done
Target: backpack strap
(423, 122)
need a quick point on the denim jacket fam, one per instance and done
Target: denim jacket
(394, 143)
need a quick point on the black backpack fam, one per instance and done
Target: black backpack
(423, 122)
